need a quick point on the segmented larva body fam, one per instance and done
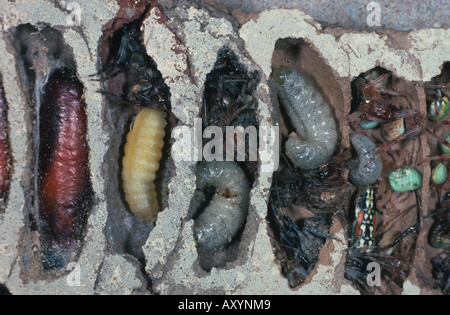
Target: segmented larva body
(311, 117)
(4, 149)
(365, 171)
(64, 186)
(227, 210)
(143, 151)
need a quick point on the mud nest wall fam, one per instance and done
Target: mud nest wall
(165, 55)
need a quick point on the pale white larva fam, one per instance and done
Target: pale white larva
(366, 169)
(227, 210)
(316, 134)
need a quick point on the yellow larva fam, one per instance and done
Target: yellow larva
(143, 152)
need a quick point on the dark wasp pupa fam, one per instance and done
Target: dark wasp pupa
(5, 155)
(64, 188)
(58, 194)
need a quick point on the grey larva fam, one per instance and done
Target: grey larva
(311, 117)
(364, 171)
(227, 211)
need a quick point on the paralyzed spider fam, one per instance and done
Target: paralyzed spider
(373, 106)
(439, 235)
(373, 245)
(437, 92)
(438, 107)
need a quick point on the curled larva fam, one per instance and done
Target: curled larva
(311, 117)
(227, 210)
(143, 151)
(365, 170)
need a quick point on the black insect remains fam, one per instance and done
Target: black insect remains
(321, 190)
(298, 248)
(228, 92)
(441, 271)
(144, 84)
(439, 234)
(228, 101)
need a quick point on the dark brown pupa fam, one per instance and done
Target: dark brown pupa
(64, 187)
(5, 155)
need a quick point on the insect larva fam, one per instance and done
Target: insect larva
(364, 171)
(5, 158)
(227, 210)
(143, 151)
(64, 186)
(311, 117)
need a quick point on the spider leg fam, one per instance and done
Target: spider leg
(104, 69)
(442, 157)
(388, 92)
(221, 89)
(119, 97)
(242, 93)
(413, 228)
(115, 74)
(444, 142)
(370, 85)
(385, 147)
(406, 113)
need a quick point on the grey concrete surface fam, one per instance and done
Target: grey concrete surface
(402, 15)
